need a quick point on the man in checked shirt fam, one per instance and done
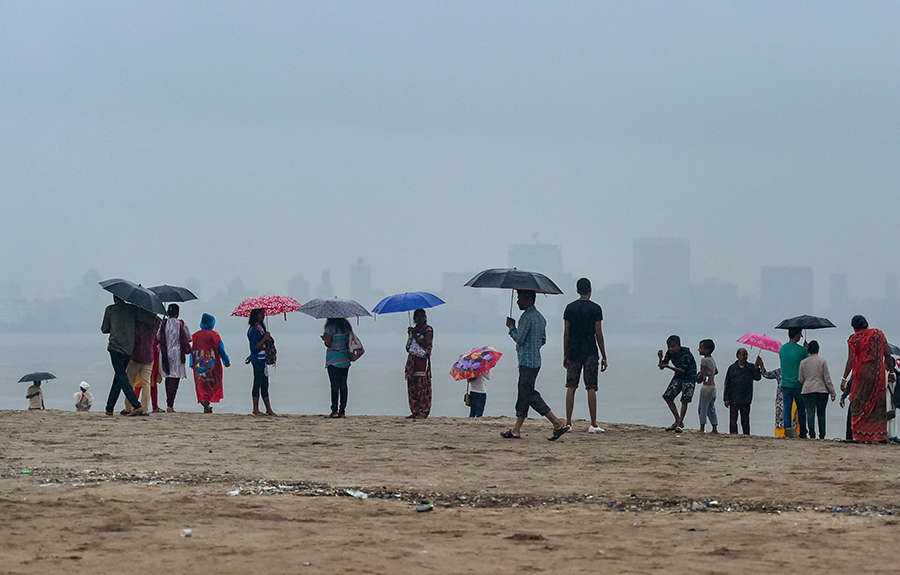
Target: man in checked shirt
(530, 335)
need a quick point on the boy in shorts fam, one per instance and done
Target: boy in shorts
(683, 381)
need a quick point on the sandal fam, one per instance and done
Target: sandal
(138, 413)
(559, 432)
(334, 415)
(673, 427)
(508, 434)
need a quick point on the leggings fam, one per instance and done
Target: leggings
(260, 380)
(171, 390)
(338, 378)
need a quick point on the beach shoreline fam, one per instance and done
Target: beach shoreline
(630, 500)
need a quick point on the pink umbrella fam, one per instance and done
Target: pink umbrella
(273, 304)
(760, 341)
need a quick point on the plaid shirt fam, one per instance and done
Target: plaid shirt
(530, 336)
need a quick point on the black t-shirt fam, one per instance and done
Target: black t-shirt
(582, 315)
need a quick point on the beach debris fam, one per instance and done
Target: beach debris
(712, 503)
(234, 492)
(425, 507)
(697, 506)
(26, 472)
(356, 493)
(187, 532)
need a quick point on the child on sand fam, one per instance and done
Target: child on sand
(683, 381)
(477, 394)
(83, 398)
(35, 396)
(707, 379)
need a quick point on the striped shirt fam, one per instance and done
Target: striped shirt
(338, 353)
(530, 335)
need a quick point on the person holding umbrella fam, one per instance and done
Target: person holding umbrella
(119, 320)
(418, 366)
(791, 354)
(262, 355)
(174, 345)
(530, 335)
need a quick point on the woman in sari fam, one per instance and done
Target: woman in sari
(207, 358)
(868, 359)
(418, 366)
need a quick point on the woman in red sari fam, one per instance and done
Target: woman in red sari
(418, 366)
(207, 357)
(868, 359)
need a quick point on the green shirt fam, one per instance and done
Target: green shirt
(791, 355)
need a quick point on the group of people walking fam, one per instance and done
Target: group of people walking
(145, 351)
(804, 385)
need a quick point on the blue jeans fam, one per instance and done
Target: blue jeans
(476, 403)
(790, 395)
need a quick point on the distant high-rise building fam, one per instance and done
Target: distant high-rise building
(662, 277)
(361, 281)
(325, 290)
(838, 293)
(786, 291)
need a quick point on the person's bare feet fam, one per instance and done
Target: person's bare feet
(256, 412)
(170, 410)
(271, 413)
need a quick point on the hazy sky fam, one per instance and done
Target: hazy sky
(164, 140)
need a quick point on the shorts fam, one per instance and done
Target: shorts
(685, 388)
(590, 366)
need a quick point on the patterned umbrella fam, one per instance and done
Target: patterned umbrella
(475, 363)
(273, 304)
(331, 308)
(760, 341)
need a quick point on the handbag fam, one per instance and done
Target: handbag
(355, 347)
(466, 398)
(413, 348)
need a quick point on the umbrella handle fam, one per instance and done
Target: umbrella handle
(512, 295)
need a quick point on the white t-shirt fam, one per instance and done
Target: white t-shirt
(477, 384)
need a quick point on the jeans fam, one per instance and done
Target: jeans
(528, 396)
(815, 408)
(476, 403)
(338, 378)
(260, 379)
(708, 405)
(120, 382)
(792, 394)
(738, 410)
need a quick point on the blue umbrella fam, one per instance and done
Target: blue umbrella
(407, 302)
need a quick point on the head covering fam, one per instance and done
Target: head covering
(208, 321)
(84, 386)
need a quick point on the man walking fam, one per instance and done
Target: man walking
(582, 338)
(791, 354)
(738, 393)
(530, 336)
(118, 322)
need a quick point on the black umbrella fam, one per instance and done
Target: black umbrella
(37, 376)
(169, 293)
(894, 349)
(135, 294)
(514, 279)
(805, 322)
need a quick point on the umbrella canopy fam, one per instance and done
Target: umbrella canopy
(332, 308)
(169, 293)
(37, 376)
(760, 341)
(273, 304)
(475, 363)
(407, 302)
(805, 322)
(894, 349)
(512, 278)
(135, 294)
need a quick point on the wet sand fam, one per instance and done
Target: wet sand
(271, 495)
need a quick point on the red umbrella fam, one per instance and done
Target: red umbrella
(273, 304)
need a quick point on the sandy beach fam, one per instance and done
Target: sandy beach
(274, 495)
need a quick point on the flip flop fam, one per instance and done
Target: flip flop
(508, 434)
(557, 433)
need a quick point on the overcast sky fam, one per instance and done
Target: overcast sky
(164, 140)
